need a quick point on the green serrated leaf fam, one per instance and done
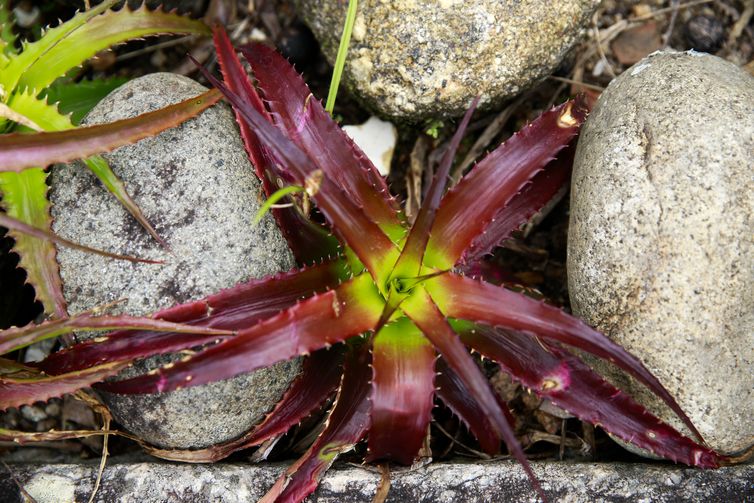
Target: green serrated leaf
(100, 33)
(7, 113)
(45, 115)
(7, 37)
(78, 98)
(24, 197)
(32, 52)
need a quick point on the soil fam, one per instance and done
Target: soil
(535, 260)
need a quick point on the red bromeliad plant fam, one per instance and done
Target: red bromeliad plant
(385, 314)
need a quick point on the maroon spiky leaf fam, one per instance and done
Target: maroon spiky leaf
(27, 386)
(317, 322)
(410, 261)
(470, 206)
(457, 397)
(235, 308)
(402, 390)
(563, 378)
(346, 425)
(19, 151)
(122, 346)
(303, 119)
(19, 226)
(421, 309)
(545, 187)
(308, 241)
(468, 299)
(243, 305)
(234, 76)
(348, 220)
(319, 379)
(15, 338)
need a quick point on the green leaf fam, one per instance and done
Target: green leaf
(31, 52)
(100, 33)
(23, 151)
(24, 197)
(78, 98)
(7, 38)
(45, 115)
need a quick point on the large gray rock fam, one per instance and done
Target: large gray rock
(195, 184)
(414, 59)
(437, 483)
(660, 247)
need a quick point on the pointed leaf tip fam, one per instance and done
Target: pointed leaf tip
(469, 208)
(468, 299)
(19, 152)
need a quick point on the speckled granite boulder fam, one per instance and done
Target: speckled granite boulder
(661, 240)
(414, 59)
(195, 184)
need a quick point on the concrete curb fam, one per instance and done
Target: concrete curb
(500, 481)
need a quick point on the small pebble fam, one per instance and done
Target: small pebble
(704, 33)
(33, 413)
(46, 425)
(52, 409)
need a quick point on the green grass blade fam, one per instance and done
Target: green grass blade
(102, 170)
(273, 199)
(100, 33)
(340, 60)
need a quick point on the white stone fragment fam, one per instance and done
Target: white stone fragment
(377, 138)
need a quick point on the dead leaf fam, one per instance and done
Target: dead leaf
(635, 43)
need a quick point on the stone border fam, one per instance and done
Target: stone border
(476, 482)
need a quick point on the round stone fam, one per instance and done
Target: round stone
(415, 59)
(660, 245)
(195, 184)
